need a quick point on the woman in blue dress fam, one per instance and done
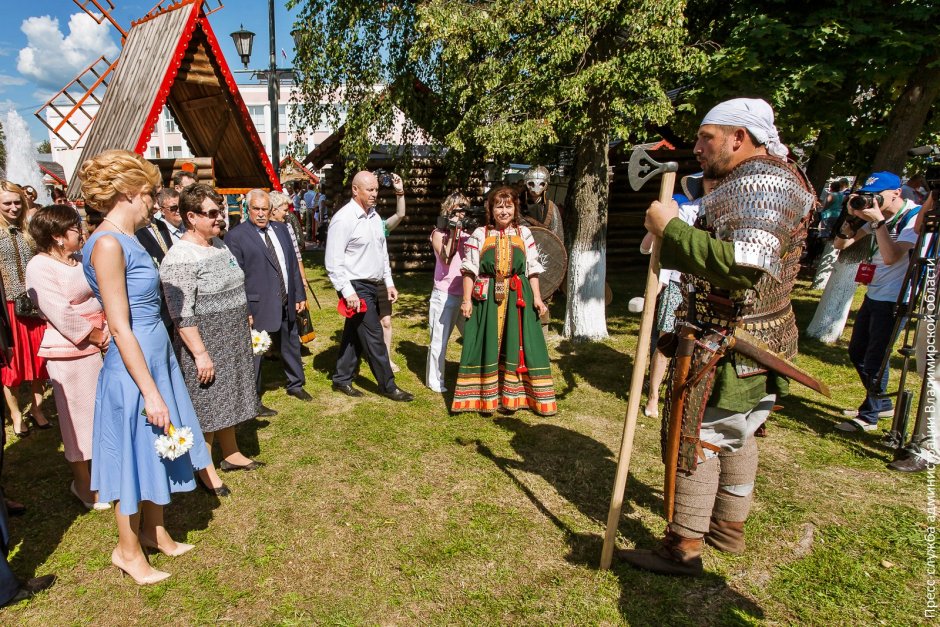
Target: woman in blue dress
(141, 391)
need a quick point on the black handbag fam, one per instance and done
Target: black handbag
(23, 305)
(305, 326)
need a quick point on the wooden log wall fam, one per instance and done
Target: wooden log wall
(409, 247)
(205, 172)
(627, 208)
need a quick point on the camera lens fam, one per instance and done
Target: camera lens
(858, 203)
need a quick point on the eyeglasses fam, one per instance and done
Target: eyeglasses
(212, 214)
(171, 208)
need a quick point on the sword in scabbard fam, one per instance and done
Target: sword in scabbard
(755, 349)
(683, 362)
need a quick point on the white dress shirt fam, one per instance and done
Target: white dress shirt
(355, 249)
(176, 232)
(278, 250)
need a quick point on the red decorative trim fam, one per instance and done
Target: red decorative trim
(169, 76)
(298, 164)
(247, 124)
(172, 7)
(53, 175)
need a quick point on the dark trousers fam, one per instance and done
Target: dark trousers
(290, 354)
(364, 332)
(872, 336)
(9, 584)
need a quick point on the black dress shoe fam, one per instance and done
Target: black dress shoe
(229, 467)
(300, 394)
(222, 490)
(265, 411)
(15, 510)
(346, 389)
(913, 463)
(400, 395)
(30, 588)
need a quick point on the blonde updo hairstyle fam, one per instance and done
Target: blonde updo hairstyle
(113, 173)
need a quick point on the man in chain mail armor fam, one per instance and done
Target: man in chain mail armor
(537, 208)
(739, 264)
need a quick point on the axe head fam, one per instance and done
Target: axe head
(642, 168)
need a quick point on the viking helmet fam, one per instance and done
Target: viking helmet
(536, 180)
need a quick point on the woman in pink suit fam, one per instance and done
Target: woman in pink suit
(75, 336)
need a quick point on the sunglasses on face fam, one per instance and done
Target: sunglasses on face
(212, 214)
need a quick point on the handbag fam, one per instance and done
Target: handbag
(481, 288)
(305, 327)
(23, 305)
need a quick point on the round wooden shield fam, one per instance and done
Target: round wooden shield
(554, 259)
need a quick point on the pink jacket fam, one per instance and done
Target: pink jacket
(64, 297)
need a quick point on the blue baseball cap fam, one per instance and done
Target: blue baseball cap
(880, 181)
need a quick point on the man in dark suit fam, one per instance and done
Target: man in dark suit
(274, 288)
(156, 240)
(12, 591)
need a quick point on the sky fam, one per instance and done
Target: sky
(46, 43)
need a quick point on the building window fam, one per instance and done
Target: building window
(155, 152)
(282, 118)
(257, 116)
(174, 152)
(169, 124)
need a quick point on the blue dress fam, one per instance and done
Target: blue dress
(126, 466)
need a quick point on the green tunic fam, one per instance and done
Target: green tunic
(693, 251)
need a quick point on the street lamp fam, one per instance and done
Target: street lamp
(243, 40)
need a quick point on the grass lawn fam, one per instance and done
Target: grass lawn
(375, 512)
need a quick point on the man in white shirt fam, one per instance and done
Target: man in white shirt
(889, 220)
(357, 264)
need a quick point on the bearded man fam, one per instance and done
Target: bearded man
(738, 265)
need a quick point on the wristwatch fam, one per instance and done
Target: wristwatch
(877, 225)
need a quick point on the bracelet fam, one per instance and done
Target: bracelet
(399, 194)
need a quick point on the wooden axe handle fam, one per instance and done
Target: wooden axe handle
(636, 385)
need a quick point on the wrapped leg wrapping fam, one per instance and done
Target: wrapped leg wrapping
(695, 497)
(736, 481)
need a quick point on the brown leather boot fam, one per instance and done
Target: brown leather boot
(726, 536)
(674, 555)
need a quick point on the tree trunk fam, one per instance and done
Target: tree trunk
(908, 116)
(824, 156)
(585, 314)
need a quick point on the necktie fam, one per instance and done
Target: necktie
(159, 237)
(282, 285)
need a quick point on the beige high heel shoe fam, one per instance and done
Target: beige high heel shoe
(181, 547)
(155, 577)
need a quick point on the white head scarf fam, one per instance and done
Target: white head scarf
(753, 114)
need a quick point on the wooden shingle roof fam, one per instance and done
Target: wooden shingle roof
(172, 58)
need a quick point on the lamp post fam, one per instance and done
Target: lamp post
(243, 41)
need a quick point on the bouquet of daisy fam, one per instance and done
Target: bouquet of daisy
(260, 342)
(175, 443)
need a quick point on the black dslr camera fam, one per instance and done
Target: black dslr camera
(472, 218)
(384, 177)
(859, 201)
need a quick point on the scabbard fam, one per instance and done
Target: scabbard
(753, 348)
(683, 362)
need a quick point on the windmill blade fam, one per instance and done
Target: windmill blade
(208, 7)
(69, 113)
(104, 13)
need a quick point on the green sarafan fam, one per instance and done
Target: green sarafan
(502, 81)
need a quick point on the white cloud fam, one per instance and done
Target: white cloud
(10, 81)
(53, 59)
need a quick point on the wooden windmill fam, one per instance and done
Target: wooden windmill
(170, 57)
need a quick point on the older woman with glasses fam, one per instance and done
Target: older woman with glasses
(205, 293)
(16, 249)
(504, 364)
(74, 339)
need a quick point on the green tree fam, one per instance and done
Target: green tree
(44, 147)
(846, 77)
(510, 80)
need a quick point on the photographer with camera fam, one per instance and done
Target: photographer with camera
(447, 240)
(877, 208)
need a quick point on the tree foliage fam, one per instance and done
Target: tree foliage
(831, 68)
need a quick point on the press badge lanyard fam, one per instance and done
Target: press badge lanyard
(866, 271)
